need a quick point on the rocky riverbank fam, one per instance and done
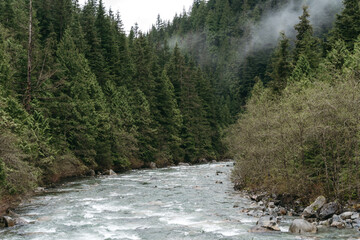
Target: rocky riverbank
(273, 209)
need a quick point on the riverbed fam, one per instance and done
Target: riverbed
(187, 202)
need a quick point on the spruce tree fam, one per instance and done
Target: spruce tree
(281, 65)
(79, 112)
(169, 119)
(306, 44)
(347, 24)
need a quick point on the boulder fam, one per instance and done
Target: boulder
(257, 197)
(326, 223)
(109, 172)
(282, 211)
(213, 161)
(271, 205)
(336, 218)
(337, 222)
(355, 216)
(203, 161)
(346, 215)
(356, 224)
(153, 165)
(339, 225)
(184, 164)
(329, 209)
(302, 226)
(269, 222)
(21, 221)
(39, 190)
(7, 221)
(311, 211)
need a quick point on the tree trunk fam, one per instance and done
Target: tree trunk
(27, 99)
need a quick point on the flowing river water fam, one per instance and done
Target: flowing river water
(195, 202)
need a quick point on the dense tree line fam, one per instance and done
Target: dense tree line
(218, 35)
(77, 93)
(299, 134)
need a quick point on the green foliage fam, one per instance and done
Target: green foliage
(305, 141)
(306, 44)
(2, 173)
(281, 65)
(347, 24)
(102, 99)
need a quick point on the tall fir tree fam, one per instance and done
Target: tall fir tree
(347, 24)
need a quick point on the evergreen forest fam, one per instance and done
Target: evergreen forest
(78, 93)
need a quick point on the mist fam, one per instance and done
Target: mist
(266, 33)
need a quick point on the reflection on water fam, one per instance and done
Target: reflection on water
(173, 203)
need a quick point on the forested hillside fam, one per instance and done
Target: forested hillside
(77, 94)
(299, 135)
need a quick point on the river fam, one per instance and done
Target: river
(195, 202)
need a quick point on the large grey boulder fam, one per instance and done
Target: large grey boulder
(269, 222)
(302, 226)
(329, 209)
(310, 211)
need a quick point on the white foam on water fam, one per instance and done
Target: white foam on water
(229, 232)
(88, 215)
(115, 194)
(77, 223)
(117, 234)
(149, 213)
(92, 199)
(45, 230)
(179, 220)
(125, 227)
(119, 217)
(110, 208)
(210, 227)
(284, 229)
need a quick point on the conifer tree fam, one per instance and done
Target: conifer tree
(93, 52)
(79, 111)
(281, 64)
(169, 119)
(347, 24)
(306, 44)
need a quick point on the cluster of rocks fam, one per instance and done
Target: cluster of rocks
(11, 219)
(318, 214)
(266, 224)
(331, 214)
(109, 172)
(268, 205)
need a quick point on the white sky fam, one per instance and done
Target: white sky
(145, 12)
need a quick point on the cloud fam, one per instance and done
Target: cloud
(145, 12)
(266, 32)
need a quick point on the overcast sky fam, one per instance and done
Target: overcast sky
(145, 12)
